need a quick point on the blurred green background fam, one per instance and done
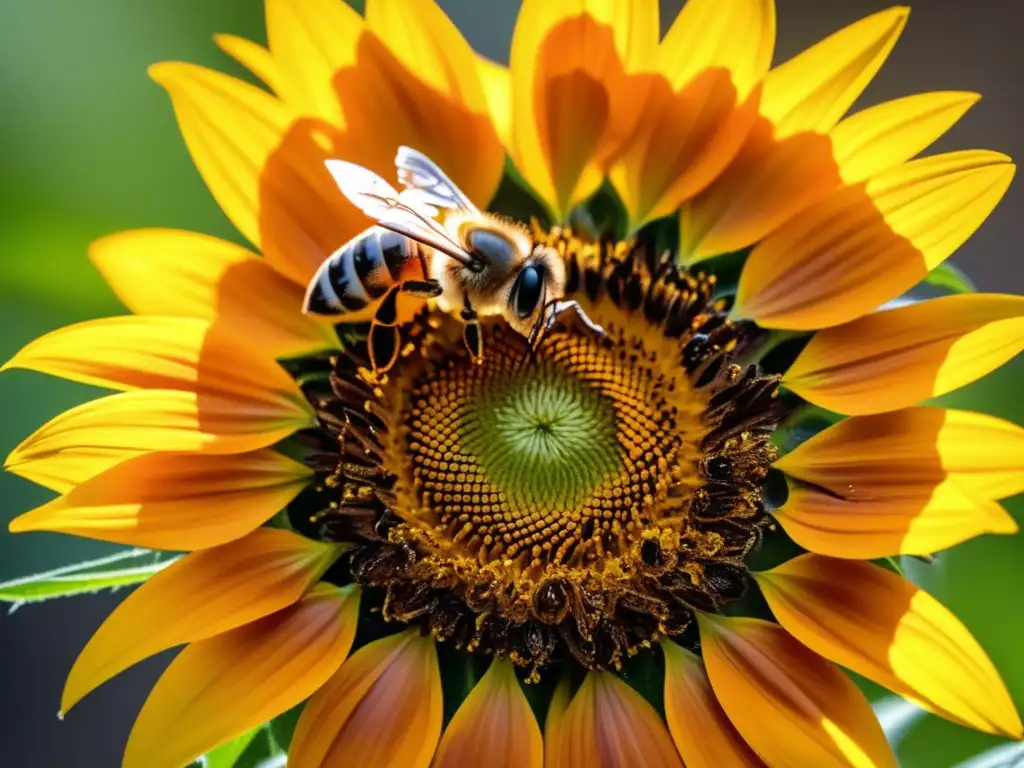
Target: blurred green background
(89, 146)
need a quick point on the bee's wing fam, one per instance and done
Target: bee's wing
(426, 184)
(382, 202)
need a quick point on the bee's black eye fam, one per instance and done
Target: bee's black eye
(491, 248)
(528, 290)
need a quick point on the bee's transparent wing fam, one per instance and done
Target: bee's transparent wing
(427, 185)
(382, 202)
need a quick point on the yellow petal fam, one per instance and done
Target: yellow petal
(570, 59)
(218, 688)
(794, 708)
(813, 90)
(311, 40)
(609, 725)
(702, 732)
(265, 166)
(896, 358)
(919, 523)
(883, 136)
(913, 450)
(253, 57)
(201, 595)
(497, 84)
(134, 352)
(553, 724)
(382, 709)
(63, 472)
(886, 629)
(701, 107)
(493, 726)
(174, 501)
(865, 245)
(173, 272)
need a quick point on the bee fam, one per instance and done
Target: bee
(431, 243)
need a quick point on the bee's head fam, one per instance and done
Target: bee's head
(536, 281)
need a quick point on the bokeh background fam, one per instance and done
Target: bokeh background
(88, 146)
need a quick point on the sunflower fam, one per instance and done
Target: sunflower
(624, 544)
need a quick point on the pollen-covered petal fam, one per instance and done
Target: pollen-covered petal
(883, 627)
(553, 724)
(793, 707)
(253, 57)
(864, 245)
(493, 726)
(310, 41)
(813, 90)
(883, 136)
(587, 57)
(382, 708)
(701, 107)
(609, 725)
(220, 687)
(911, 450)
(174, 272)
(918, 523)
(152, 352)
(174, 501)
(201, 595)
(898, 357)
(701, 730)
(496, 81)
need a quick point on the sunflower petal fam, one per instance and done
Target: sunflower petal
(253, 57)
(382, 708)
(792, 707)
(496, 80)
(218, 688)
(201, 595)
(609, 725)
(310, 42)
(883, 627)
(174, 501)
(912, 450)
(571, 59)
(152, 352)
(883, 136)
(813, 90)
(701, 108)
(703, 734)
(915, 524)
(173, 272)
(63, 472)
(553, 724)
(865, 245)
(493, 726)
(898, 357)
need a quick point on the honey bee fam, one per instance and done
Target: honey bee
(431, 243)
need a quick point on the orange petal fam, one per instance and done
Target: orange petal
(609, 725)
(174, 501)
(883, 136)
(572, 59)
(201, 595)
(310, 42)
(794, 708)
(173, 272)
(218, 688)
(702, 732)
(701, 108)
(899, 357)
(883, 627)
(382, 708)
(553, 724)
(496, 81)
(493, 726)
(813, 90)
(913, 450)
(865, 245)
(253, 57)
(919, 523)
(134, 352)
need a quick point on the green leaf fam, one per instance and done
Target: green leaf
(122, 569)
(227, 755)
(949, 276)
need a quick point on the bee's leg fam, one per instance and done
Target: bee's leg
(471, 332)
(424, 289)
(384, 340)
